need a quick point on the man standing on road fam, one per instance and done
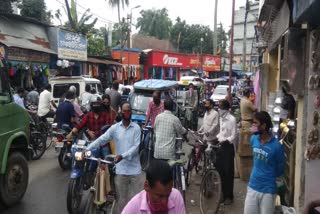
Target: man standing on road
(158, 196)
(210, 127)
(155, 108)
(247, 109)
(65, 112)
(166, 128)
(115, 96)
(192, 100)
(45, 102)
(126, 136)
(268, 164)
(225, 154)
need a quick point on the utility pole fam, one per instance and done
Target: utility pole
(215, 35)
(244, 48)
(231, 50)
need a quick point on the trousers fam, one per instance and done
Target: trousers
(259, 203)
(225, 167)
(127, 186)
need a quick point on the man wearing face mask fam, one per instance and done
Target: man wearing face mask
(192, 100)
(210, 127)
(126, 136)
(93, 121)
(158, 196)
(268, 164)
(107, 108)
(225, 154)
(155, 108)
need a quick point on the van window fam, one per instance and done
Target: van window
(60, 89)
(97, 86)
(5, 96)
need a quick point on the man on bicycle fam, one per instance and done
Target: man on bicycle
(210, 127)
(158, 195)
(166, 128)
(155, 108)
(192, 100)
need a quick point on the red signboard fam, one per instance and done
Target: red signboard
(164, 59)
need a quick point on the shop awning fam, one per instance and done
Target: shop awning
(103, 61)
(12, 41)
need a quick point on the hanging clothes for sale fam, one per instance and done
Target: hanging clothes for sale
(170, 73)
(153, 73)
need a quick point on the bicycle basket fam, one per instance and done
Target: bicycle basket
(194, 139)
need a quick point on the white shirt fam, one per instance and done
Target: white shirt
(85, 100)
(44, 103)
(18, 100)
(228, 127)
(210, 126)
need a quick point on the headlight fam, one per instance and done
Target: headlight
(88, 153)
(78, 156)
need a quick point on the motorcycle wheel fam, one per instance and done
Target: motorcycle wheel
(38, 145)
(64, 160)
(74, 195)
(144, 159)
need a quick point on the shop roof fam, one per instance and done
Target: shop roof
(155, 84)
(127, 49)
(102, 61)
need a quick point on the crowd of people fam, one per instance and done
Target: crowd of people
(156, 194)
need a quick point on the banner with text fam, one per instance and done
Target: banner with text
(72, 45)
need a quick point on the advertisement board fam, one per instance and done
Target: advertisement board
(72, 45)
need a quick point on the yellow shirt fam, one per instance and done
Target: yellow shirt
(247, 108)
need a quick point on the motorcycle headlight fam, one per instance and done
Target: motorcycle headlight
(78, 156)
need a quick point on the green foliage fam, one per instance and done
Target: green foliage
(5, 6)
(190, 38)
(118, 31)
(155, 23)
(82, 25)
(35, 9)
(96, 44)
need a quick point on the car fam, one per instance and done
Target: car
(220, 92)
(14, 145)
(61, 84)
(142, 95)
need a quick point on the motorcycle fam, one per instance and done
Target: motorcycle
(82, 173)
(63, 146)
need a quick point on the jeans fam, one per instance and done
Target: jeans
(259, 203)
(194, 121)
(127, 186)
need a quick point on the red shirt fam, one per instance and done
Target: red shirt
(95, 124)
(154, 110)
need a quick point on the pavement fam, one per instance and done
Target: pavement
(48, 184)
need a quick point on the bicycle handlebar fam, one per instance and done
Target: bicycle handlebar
(100, 160)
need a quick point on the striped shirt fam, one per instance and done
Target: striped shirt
(166, 128)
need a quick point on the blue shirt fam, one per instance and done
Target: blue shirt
(127, 141)
(18, 100)
(268, 164)
(64, 114)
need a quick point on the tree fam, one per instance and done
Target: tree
(116, 3)
(35, 9)
(5, 6)
(81, 25)
(97, 42)
(155, 23)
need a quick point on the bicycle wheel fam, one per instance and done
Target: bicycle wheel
(178, 182)
(190, 166)
(200, 165)
(210, 192)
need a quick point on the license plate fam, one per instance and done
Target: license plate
(81, 142)
(59, 144)
(185, 82)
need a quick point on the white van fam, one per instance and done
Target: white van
(62, 83)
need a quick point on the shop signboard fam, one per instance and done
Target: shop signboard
(72, 45)
(25, 55)
(211, 63)
(162, 59)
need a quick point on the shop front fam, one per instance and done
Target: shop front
(131, 70)
(207, 65)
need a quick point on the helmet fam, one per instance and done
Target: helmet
(73, 89)
(95, 101)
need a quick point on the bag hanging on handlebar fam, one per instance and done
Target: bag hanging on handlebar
(100, 187)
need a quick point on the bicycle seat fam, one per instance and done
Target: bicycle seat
(174, 162)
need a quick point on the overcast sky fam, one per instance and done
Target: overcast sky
(194, 12)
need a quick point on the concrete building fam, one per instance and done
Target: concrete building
(239, 18)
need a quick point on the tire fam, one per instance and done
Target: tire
(200, 166)
(178, 183)
(43, 129)
(74, 196)
(91, 207)
(144, 159)
(210, 192)
(190, 167)
(38, 145)
(64, 161)
(17, 167)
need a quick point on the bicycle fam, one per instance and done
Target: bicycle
(102, 197)
(196, 157)
(146, 148)
(210, 188)
(179, 180)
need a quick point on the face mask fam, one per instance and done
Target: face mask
(126, 116)
(207, 108)
(156, 101)
(96, 109)
(160, 207)
(107, 107)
